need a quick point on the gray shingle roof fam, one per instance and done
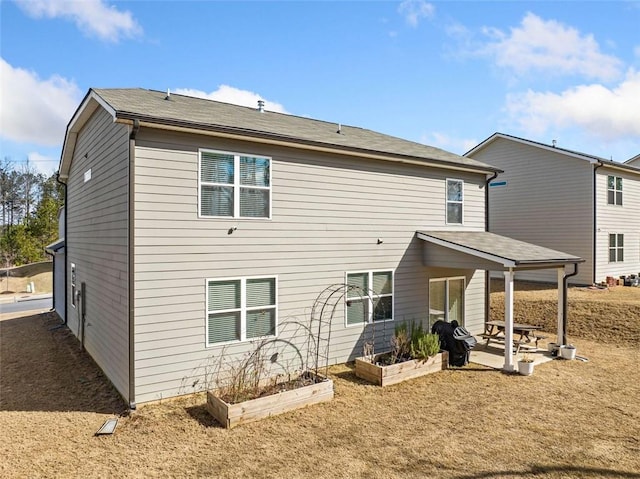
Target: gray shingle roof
(499, 248)
(180, 110)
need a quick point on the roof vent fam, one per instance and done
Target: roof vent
(168, 97)
(553, 143)
(261, 106)
(339, 132)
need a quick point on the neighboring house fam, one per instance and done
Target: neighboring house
(195, 227)
(565, 200)
(635, 161)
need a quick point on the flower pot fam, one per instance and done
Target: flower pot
(553, 348)
(568, 352)
(525, 368)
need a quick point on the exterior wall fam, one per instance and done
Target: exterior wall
(546, 201)
(59, 262)
(327, 215)
(614, 219)
(96, 242)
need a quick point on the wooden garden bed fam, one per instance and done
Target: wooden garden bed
(232, 415)
(395, 373)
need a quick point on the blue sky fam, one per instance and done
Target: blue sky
(448, 74)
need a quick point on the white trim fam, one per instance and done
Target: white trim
(243, 309)
(447, 201)
(371, 296)
(236, 184)
(73, 281)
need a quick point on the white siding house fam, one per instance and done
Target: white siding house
(565, 200)
(196, 228)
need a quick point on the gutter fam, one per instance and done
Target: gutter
(565, 303)
(130, 261)
(595, 229)
(66, 252)
(487, 273)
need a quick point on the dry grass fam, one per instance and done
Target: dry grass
(571, 419)
(42, 281)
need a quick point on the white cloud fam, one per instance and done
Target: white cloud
(229, 94)
(33, 110)
(449, 143)
(415, 10)
(550, 46)
(94, 17)
(43, 164)
(609, 114)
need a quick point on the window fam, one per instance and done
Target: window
(369, 297)
(614, 190)
(454, 201)
(233, 185)
(446, 300)
(240, 309)
(73, 285)
(616, 248)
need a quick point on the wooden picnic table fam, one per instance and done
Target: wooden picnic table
(494, 331)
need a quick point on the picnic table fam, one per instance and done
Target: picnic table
(494, 331)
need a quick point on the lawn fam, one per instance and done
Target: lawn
(570, 419)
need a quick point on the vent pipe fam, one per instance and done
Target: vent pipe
(554, 142)
(261, 106)
(168, 97)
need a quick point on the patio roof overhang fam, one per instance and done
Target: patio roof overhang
(492, 252)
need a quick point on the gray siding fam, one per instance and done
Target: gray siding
(328, 213)
(96, 241)
(547, 201)
(615, 219)
(59, 262)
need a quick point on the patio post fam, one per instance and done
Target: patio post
(561, 294)
(508, 321)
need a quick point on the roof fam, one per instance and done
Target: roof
(55, 246)
(634, 159)
(155, 108)
(573, 153)
(508, 252)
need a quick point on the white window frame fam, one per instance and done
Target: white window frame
(446, 281)
(370, 296)
(236, 184)
(615, 190)
(447, 201)
(243, 310)
(616, 247)
(74, 282)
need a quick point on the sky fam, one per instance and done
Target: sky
(446, 73)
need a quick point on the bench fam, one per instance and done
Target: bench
(518, 344)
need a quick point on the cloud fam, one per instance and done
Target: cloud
(549, 46)
(449, 143)
(415, 10)
(33, 110)
(93, 17)
(609, 114)
(229, 94)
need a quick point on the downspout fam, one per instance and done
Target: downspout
(66, 250)
(595, 228)
(565, 303)
(487, 278)
(131, 262)
(53, 278)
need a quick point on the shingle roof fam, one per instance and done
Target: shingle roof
(497, 248)
(198, 113)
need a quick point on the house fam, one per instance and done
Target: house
(635, 161)
(57, 251)
(195, 229)
(565, 200)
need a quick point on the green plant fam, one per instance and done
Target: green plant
(425, 345)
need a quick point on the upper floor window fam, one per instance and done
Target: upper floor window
(614, 190)
(616, 248)
(369, 297)
(455, 196)
(234, 185)
(240, 309)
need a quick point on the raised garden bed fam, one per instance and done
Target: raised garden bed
(232, 415)
(383, 375)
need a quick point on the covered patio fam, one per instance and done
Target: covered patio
(482, 250)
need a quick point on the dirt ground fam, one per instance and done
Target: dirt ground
(570, 419)
(43, 283)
